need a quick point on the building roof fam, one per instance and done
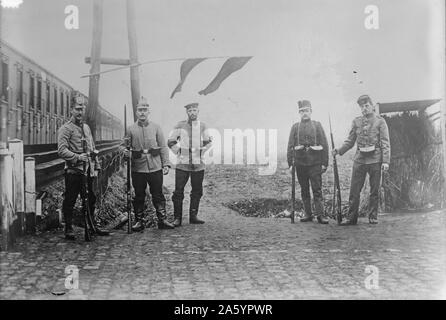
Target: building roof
(416, 105)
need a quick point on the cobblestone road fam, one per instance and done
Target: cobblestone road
(233, 257)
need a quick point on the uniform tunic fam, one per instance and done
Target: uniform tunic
(189, 141)
(69, 141)
(145, 137)
(368, 131)
(307, 133)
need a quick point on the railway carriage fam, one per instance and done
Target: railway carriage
(35, 102)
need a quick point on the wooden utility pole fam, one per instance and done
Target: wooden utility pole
(95, 60)
(443, 116)
(93, 91)
(133, 53)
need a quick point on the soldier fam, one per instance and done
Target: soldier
(150, 161)
(70, 148)
(371, 134)
(189, 140)
(308, 145)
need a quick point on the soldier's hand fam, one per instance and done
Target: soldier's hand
(83, 157)
(126, 153)
(324, 169)
(165, 170)
(334, 152)
(291, 169)
(385, 167)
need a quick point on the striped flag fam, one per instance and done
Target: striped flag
(186, 68)
(230, 66)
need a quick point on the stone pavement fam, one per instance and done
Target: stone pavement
(234, 257)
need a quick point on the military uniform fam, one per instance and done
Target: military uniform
(308, 145)
(70, 147)
(149, 156)
(189, 140)
(371, 135)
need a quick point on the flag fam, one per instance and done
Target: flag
(230, 66)
(186, 67)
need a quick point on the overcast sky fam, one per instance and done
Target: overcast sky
(301, 50)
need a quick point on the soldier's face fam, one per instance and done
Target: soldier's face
(192, 113)
(366, 108)
(78, 112)
(305, 114)
(142, 113)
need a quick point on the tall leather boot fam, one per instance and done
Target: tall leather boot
(138, 226)
(319, 206)
(193, 211)
(162, 217)
(177, 213)
(307, 207)
(69, 233)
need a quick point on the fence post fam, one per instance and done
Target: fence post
(6, 198)
(3, 123)
(30, 195)
(16, 147)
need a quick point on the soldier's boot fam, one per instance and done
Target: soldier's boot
(319, 206)
(307, 208)
(177, 213)
(193, 211)
(69, 233)
(162, 217)
(138, 226)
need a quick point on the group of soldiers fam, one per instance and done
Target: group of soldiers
(189, 140)
(308, 152)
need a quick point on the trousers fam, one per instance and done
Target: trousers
(73, 187)
(359, 173)
(155, 182)
(181, 178)
(306, 176)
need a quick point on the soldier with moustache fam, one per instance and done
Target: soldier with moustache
(371, 135)
(189, 140)
(150, 161)
(70, 138)
(308, 146)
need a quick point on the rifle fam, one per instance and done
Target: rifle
(381, 193)
(89, 227)
(293, 187)
(128, 143)
(336, 203)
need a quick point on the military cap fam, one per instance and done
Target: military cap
(142, 102)
(191, 105)
(78, 100)
(304, 104)
(363, 99)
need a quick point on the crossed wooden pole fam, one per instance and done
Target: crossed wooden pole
(95, 61)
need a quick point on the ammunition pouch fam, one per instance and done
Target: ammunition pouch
(153, 151)
(306, 148)
(136, 154)
(367, 150)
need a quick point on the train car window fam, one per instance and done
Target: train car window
(31, 91)
(5, 80)
(56, 107)
(39, 95)
(20, 87)
(48, 96)
(62, 102)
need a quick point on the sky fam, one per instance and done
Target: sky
(301, 50)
